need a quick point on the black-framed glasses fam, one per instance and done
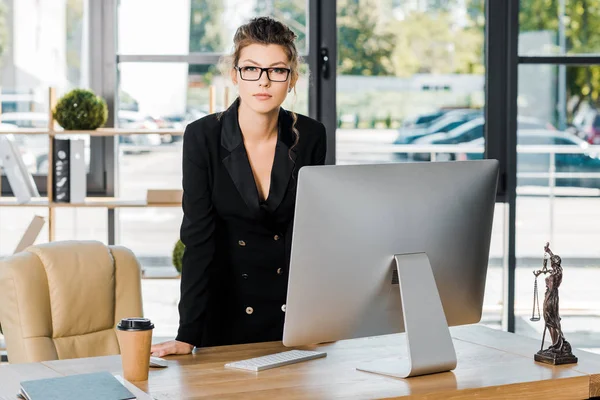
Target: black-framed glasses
(274, 74)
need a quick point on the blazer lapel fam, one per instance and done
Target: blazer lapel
(284, 162)
(238, 165)
(236, 162)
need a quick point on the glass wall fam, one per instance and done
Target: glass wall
(42, 44)
(558, 176)
(199, 26)
(156, 94)
(409, 73)
(558, 169)
(559, 27)
(410, 79)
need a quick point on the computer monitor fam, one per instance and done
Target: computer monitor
(381, 249)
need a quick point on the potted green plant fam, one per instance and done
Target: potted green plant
(81, 109)
(178, 255)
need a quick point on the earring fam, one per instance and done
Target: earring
(289, 90)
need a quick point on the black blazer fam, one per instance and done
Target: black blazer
(235, 264)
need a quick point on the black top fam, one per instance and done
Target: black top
(135, 324)
(235, 265)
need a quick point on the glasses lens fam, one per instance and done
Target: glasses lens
(250, 73)
(278, 74)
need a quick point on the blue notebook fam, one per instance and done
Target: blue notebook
(95, 386)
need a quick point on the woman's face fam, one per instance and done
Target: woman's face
(263, 95)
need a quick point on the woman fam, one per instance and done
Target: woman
(240, 173)
(551, 311)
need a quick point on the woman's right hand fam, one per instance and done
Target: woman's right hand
(171, 347)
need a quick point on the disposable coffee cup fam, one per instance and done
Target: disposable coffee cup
(135, 340)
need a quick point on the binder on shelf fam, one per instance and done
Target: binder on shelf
(61, 171)
(69, 171)
(78, 171)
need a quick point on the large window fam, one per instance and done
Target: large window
(558, 168)
(408, 74)
(198, 26)
(410, 78)
(559, 27)
(411, 86)
(167, 78)
(558, 176)
(42, 44)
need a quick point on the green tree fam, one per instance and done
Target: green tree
(582, 22)
(206, 35)
(476, 13)
(364, 48)
(439, 5)
(290, 12)
(429, 43)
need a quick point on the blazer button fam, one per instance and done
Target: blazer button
(245, 276)
(276, 237)
(242, 243)
(283, 308)
(249, 310)
(279, 271)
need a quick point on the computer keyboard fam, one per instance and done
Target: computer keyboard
(157, 362)
(276, 360)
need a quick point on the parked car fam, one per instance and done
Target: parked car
(587, 126)
(180, 121)
(5, 127)
(445, 123)
(540, 162)
(26, 119)
(136, 120)
(423, 120)
(468, 132)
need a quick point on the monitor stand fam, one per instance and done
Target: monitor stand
(430, 347)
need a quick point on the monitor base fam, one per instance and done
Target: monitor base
(430, 347)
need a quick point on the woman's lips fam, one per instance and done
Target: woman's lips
(261, 96)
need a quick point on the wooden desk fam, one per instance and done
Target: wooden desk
(491, 364)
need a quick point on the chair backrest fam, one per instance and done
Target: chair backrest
(64, 299)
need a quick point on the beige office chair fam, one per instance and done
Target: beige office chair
(63, 300)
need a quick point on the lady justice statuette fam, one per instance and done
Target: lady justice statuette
(560, 350)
